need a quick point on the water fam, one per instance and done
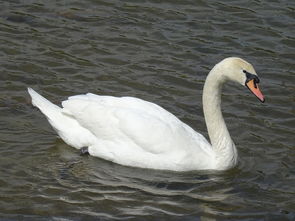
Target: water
(159, 51)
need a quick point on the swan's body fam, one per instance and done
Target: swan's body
(134, 132)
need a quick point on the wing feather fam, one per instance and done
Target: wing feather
(145, 124)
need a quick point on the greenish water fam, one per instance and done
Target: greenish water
(160, 51)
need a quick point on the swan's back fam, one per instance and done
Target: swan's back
(128, 131)
(126, 113)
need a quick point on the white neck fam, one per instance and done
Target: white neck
(222, 144)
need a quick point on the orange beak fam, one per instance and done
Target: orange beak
(253, 87)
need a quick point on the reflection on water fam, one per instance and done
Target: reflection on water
(161, 52)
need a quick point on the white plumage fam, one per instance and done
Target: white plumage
(133, 132)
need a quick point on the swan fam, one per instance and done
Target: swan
(133, 132)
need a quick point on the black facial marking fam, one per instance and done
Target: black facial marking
(250, 76)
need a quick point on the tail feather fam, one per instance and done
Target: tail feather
(50, 110)
(66, 127)
(42, 103)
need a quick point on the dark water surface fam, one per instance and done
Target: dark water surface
(160, 51)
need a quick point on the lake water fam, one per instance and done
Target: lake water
(160, 51)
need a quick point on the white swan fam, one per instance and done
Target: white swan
(134, 132)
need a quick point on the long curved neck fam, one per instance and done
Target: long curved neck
(222, 144)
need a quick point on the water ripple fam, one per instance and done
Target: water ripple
(161, 52)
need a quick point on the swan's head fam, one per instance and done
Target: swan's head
(239, 70)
